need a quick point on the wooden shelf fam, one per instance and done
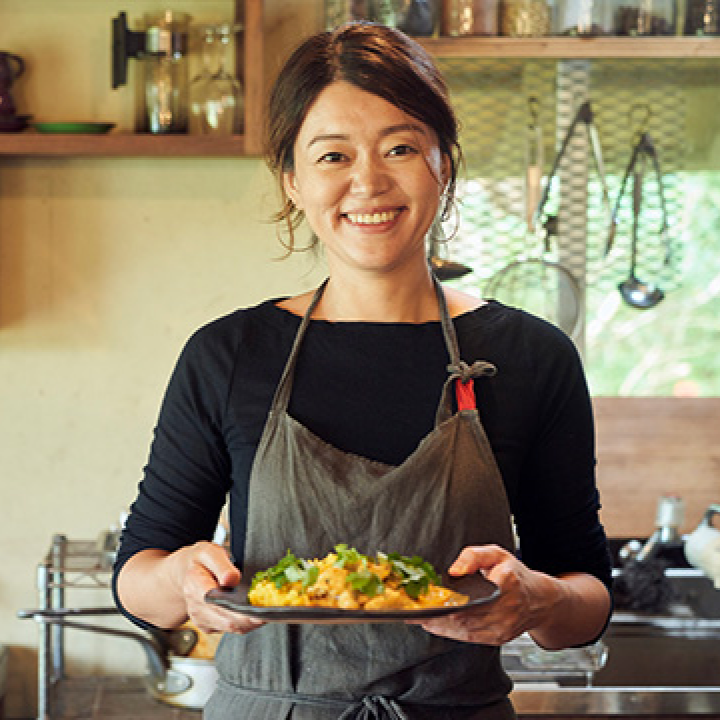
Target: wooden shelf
(574, 47)
(121, 144)
(118, 144)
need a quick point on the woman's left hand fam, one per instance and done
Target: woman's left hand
(526, 599)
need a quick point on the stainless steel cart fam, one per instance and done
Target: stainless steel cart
(84, 564)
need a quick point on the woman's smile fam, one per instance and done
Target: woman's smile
(376, 219)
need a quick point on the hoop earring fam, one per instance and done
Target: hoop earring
(450, 208)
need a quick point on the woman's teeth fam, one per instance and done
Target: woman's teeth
(372, 218)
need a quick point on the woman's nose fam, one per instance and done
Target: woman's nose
(369, 178)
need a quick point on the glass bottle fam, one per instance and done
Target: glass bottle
(216, 102)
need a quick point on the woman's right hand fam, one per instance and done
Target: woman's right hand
(166, 588)
(208, 566)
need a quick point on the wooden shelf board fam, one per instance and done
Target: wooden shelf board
(120, 144)
(574, 47)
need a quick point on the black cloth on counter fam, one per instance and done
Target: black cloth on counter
(372, 389)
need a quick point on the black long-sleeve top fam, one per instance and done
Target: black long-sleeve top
(373, 389)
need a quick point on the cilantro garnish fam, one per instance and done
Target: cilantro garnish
(289, 569)
(413, 573)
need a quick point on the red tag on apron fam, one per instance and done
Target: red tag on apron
(465, 393)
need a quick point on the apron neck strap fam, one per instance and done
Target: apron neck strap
(284, 388)
(459, 370)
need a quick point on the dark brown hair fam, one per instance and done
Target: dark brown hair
(377, 59)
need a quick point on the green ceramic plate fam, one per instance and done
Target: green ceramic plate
(94, 128)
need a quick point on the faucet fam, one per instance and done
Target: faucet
(668, 519)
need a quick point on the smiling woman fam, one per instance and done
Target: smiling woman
(350, 415)
(377, 67)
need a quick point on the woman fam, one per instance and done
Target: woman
(348, 415)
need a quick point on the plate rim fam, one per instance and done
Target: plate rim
(235, 600)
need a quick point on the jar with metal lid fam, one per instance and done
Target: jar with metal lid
(645, 17)
(470, 17)
(524, 18)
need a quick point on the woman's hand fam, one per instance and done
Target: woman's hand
(209, 567)
(166, 589)
(557, 612)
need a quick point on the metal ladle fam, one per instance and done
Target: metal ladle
(636, 293)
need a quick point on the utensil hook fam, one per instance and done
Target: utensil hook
(641, 121)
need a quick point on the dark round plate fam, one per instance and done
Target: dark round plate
(477, 587)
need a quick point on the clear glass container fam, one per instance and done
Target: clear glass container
(166, 72)
(584, 17)
(216, 101)
(645, 17)
(524, 18)
(703, 17)
(470, 17)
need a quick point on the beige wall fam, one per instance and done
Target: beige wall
(106, 266)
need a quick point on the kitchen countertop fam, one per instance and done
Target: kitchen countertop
(691, 702)
(125, 698)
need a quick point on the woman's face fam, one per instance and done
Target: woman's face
(368, 177)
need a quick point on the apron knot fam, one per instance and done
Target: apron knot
(374, 707)
(465, 372)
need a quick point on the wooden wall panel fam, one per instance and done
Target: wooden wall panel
(648, 447)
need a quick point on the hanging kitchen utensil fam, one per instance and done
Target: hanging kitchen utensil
(542, 287)
(585, 115)
(643, 146)
(534, 160)
(536, 283)
(444, 269)
(635, 292)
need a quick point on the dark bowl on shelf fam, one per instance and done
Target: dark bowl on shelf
(13, 123)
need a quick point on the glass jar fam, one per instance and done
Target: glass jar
(166, 72)
(414, 17)
(524, 18)
(645, 17)
(584, 17)
(470, 17)
(703, 17)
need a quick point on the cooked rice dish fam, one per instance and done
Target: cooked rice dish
(349, 580)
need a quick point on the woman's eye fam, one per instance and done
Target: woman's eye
(399, 150)
(331, 157)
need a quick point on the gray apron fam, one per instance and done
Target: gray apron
(307, 496)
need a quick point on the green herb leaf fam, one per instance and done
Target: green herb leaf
(415, 573)
(349, 557)
(366, 582)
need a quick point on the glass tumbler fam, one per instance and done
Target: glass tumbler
(216, 101)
